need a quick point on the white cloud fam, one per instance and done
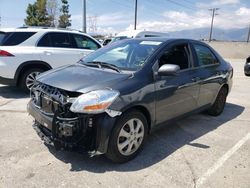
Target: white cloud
(170, 20)
(243, 11)
(105, 24)
(116, 18)
(176, 21)
(217, 3)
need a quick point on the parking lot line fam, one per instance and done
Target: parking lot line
(222, 160)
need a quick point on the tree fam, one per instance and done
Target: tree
(37, 14)
(31, 18)
(64, 19)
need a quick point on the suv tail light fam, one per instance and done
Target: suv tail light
(5, 54)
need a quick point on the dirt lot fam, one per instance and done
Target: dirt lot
(199, 151)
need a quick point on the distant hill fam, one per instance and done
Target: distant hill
(218, 34)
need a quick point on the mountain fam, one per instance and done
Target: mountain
(218, 34)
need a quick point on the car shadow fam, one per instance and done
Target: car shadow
(12, 92)
(160, 143)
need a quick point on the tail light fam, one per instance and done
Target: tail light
(4, 53)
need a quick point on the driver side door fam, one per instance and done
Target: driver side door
(176, 94)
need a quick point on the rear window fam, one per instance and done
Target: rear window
(14, 38)
(204, 55)
(2, 34)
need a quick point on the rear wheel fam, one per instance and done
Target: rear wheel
(219, 103)
(28, 78)
(127, 137)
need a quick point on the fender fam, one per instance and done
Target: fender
(105, 124)
(30, 63)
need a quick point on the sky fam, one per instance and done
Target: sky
(113, 16)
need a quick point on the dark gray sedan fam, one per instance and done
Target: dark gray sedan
(112, 99)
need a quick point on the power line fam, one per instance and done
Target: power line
(187, 1)
(179, 4)
(212, 22)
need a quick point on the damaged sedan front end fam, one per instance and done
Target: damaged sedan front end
(66, 121)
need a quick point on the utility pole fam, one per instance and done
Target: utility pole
(248, 36)
(212, 22)
(135, 14)
(84, 18)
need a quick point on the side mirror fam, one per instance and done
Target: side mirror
(168, 70)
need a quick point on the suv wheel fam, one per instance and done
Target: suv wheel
(127, 137)
(28, 78)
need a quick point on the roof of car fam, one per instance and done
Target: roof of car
(37, 29)
(165, 39)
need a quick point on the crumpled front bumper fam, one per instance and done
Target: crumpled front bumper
(66, 133)
(92, 136)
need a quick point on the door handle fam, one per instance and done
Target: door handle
(196, 79)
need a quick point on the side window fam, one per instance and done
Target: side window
(15, 38)
(60, 40)
(45, 41)
(204, 55)
(178, 55)
(84, 42)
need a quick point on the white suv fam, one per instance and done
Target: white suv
(26, 52)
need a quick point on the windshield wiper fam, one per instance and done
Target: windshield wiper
(100, 64)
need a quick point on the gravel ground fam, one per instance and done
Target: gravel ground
(198, 151)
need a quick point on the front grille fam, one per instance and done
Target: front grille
(50, 91)
(51, 100)
(48, 105)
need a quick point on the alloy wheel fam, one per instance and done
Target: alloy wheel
(30, 79)
(130, 137)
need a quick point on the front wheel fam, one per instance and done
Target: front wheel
(128, 137)
(219, 104)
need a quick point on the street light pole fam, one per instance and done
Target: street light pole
(248, 36)
(212, 22)
(135, 14)
(84, 24)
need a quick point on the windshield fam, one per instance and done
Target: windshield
(126, 55)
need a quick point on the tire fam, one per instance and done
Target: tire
(118, 152)
(219, 104)
(26, 75)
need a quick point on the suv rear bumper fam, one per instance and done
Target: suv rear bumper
(7, 81)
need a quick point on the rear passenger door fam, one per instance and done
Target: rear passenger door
(207, 67)
(57, 49)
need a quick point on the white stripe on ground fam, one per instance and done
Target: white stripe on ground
(222, 160)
